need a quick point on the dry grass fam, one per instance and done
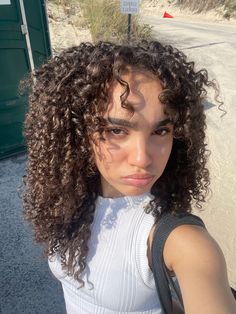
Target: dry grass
(225, 7)
(203, 6)
(66, 24)
(68, 11)
(104, 19)
(106, 22)
(230, 9)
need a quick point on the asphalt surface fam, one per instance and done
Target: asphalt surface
(26, 284)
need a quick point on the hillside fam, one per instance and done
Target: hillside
(211, 10)
(66, 25)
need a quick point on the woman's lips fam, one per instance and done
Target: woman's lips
(138, 180)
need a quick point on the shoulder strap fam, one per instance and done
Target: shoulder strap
(167, 223)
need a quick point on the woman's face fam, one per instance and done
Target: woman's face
(137, 146)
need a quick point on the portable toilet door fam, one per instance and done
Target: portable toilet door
(24, 45)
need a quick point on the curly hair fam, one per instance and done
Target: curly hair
(66, 106)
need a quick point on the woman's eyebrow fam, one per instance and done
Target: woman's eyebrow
(134, 125)
(163, 122)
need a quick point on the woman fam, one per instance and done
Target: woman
(115, 138)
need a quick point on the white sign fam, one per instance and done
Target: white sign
(2, 2)
(129, 6)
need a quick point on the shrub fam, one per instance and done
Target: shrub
(230, 9)
(201, 5)
(106, 22)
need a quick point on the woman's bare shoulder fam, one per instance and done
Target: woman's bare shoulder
(188, 243)
(200, 267)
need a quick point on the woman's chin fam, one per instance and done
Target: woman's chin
(134, 191)
(124, 190)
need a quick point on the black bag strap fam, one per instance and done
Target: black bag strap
(167, 223)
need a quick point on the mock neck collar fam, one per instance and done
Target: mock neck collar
(144, 199)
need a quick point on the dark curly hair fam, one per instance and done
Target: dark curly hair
(66, 106)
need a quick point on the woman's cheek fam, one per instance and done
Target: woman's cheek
(163, 150)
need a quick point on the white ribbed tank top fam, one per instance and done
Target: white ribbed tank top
(117, 277)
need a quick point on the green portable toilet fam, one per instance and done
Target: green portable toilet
(24, 45)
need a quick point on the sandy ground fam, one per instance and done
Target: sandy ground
(27, 286)
(159, 7)
(66, 26)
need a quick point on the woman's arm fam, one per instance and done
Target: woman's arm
(200, 267)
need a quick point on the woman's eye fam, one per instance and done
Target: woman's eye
(115, 131)
(162, 132)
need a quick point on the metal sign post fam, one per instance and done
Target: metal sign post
(129, 26)
(129, 7)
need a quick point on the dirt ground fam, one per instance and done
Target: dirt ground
(66, 26)
(159, 7)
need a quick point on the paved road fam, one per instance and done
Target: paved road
(178, 31)
(213, 46)
(26, 284)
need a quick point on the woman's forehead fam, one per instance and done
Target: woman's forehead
(138, 88)
(147, 110)
(135, 78)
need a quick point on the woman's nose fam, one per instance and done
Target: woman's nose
(139, 154)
